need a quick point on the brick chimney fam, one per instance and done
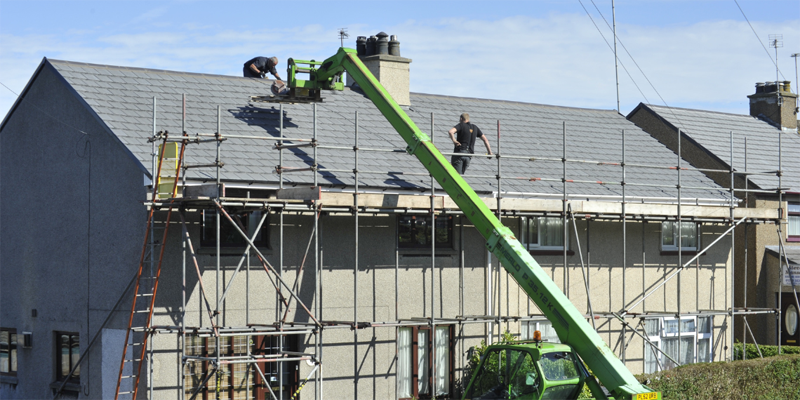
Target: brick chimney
(382, 57)
(775, 103)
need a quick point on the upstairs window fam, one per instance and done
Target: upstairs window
(8, 351)
(414, 231)
(229, 235)
(794, 222)
(669, 236)
(542, 233)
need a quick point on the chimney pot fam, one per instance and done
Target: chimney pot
(394, 46)
(371, 45)
(382, 46)
(759, 87)
(361, 46)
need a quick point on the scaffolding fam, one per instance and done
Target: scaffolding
(285, 292)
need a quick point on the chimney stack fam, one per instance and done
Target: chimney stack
(775, 103)
(381, 55)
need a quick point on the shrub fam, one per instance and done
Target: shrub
(766, 351)
(761, 378)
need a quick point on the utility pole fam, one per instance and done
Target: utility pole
(616, 60)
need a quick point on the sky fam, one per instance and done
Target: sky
(700, 54)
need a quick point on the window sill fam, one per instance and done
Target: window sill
(427, 252)
(550, 252)
(675, 252)
(69, 387)
(9, 379)
(793, 239)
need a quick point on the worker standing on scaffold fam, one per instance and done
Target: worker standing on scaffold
(259, 66)
(465, 142)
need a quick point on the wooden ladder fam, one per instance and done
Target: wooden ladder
(144, 298)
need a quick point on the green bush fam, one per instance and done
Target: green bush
(760, 378)
(766, 351)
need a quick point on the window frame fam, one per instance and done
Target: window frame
(414, 365)
(207, 216)
(524, 223)
(74, 338)
(257, 347)
(790, 212)
(13, 352)
(528, 327)
(414, 247)
(674, 248)
(663, 363)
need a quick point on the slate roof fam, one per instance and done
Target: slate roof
(123, 99)
(712, 131)
(792, 252)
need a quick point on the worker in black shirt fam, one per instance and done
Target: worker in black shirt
(465, 142)
(259, 66)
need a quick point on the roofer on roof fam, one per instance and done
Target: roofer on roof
(259, 66)
(465, 142)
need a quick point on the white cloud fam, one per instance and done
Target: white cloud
(558, 59)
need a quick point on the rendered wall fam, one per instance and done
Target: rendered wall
(70, 205)
(368, 369)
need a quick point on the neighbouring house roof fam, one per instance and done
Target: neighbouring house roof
(792, 252)
(123, 98)
(712, 131)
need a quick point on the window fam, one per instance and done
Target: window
(240, 381)
(414, 231)
(8, 352)
(68, 346)
(794, 222)
(669, 236)
(542, 233)
(544, 327)
(416, 376)
(229, 235)
(686, 341)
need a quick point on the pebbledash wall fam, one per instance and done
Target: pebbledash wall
(368, 369)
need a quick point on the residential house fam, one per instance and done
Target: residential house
(77, 187)
(757, 146)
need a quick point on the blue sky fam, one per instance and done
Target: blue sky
(695, 54)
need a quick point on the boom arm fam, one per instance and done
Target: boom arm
(569, 324)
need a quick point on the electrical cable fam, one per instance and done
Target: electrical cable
(612, 50)
(759, 40)
(640, 70)
(45, 112)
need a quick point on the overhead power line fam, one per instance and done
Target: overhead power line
(612, 50)
(759, 40)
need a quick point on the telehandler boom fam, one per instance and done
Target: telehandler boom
(572, 328)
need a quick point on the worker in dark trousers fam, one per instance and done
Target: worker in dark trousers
(463, 136)
(259, 66)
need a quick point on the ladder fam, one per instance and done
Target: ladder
(144, 293)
